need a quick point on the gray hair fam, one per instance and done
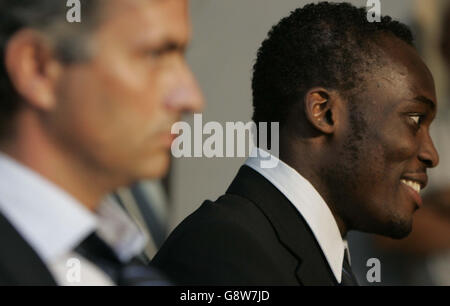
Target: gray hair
(70, 41)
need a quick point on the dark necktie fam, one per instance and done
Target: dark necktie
(133, 273)
(348, 278)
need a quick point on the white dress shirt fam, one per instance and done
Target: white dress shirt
(309, 204)
(54, 223)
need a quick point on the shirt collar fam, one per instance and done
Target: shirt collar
(118, 230)
(53, 222)
(301, 193)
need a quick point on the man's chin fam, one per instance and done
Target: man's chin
(398, 228)
(395, 228)
(155, 168)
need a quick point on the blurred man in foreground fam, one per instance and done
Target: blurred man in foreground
(86, 107)
(354, 102)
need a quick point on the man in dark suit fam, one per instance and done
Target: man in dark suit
(85, 108)
(354, 103)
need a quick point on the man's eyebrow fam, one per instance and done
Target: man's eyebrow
(170, 45)
(425, 100)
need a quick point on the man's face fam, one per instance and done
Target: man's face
(116, 110)
(387, 147)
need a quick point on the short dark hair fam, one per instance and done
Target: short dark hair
(49, 18)
(325, 44)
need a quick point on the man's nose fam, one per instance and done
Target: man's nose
(186, 95)
(428, 153)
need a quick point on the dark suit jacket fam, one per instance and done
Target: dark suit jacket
(252, 235)
(19, 263)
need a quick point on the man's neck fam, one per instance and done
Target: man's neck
(42, 154)
(306, 167)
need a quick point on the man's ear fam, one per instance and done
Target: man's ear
(32, 68)
(320, 109)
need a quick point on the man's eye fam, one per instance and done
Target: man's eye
(417, 119)
(163, 51)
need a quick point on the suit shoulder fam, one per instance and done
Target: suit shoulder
(228, 211)
(223, 242)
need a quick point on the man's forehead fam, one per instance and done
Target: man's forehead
(122, 5)
(402, 71)
(398, 87)
(148, 17)
(404, 60)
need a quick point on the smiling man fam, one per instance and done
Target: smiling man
(355, 103)
(85, 108)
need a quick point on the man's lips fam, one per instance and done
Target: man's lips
(166, 135)
(414, 183)
(168, 138)
(420, 178)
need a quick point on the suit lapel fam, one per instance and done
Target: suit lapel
(19, 264)
(292, 229)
